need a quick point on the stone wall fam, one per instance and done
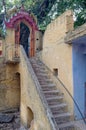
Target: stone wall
(38, 40)
(9, 87)
(56, 54)
(31, 100)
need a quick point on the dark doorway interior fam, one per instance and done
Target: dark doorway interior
(24, 37)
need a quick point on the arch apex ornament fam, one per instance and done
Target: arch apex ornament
(19, 17)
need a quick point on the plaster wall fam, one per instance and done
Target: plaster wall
(10, 37)
(9, 87)
(30, 99)
(58, 55)
(10, 44)
(38, 40)
(79, 78)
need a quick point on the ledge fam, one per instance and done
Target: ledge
(14, 61)
(79, 32)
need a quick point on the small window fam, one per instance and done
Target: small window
(55, 71)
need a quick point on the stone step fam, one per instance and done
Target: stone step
(54, 98)
(48, 80)
(39, 63)
(40, 70)
(35, 64)
(55, 101)
(41, 74)
(63, 118)
(67, 125)
(68, 128)
(38, 66)
(59, 111)
(62, 105)
(45, 83)
(42, 78)
(48, 85)
(62, 115)
(50, 92)
(47, 89)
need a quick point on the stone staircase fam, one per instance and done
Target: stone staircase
(53, 97)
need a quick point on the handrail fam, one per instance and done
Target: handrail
(67, 92)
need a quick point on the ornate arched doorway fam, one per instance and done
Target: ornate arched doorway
(24, 23)
(22, 37)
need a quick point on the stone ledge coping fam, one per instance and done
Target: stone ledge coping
(78, 32)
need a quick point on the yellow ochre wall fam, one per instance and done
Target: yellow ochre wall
(30, 99)
(57, 54)
(38, 40)
(9, 87)
(9, 80)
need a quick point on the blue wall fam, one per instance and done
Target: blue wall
(79, 77)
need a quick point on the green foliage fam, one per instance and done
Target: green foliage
(46, 10)
(2, 33)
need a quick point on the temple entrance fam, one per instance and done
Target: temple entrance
(25, 37)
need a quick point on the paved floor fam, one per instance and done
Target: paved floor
(80, 125)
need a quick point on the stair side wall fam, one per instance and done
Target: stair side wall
(30, 98)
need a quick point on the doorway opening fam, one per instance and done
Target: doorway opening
(25, 37)
(30, 117)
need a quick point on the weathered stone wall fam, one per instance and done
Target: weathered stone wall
(9, 87)
(9, 80)
(31, 99)
(56, 54)
(38, 40)
(10, 45)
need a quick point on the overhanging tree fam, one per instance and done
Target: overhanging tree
(46, 10)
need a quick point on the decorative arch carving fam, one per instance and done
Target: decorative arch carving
(24, 17)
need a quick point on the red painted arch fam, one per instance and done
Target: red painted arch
(27, 19)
